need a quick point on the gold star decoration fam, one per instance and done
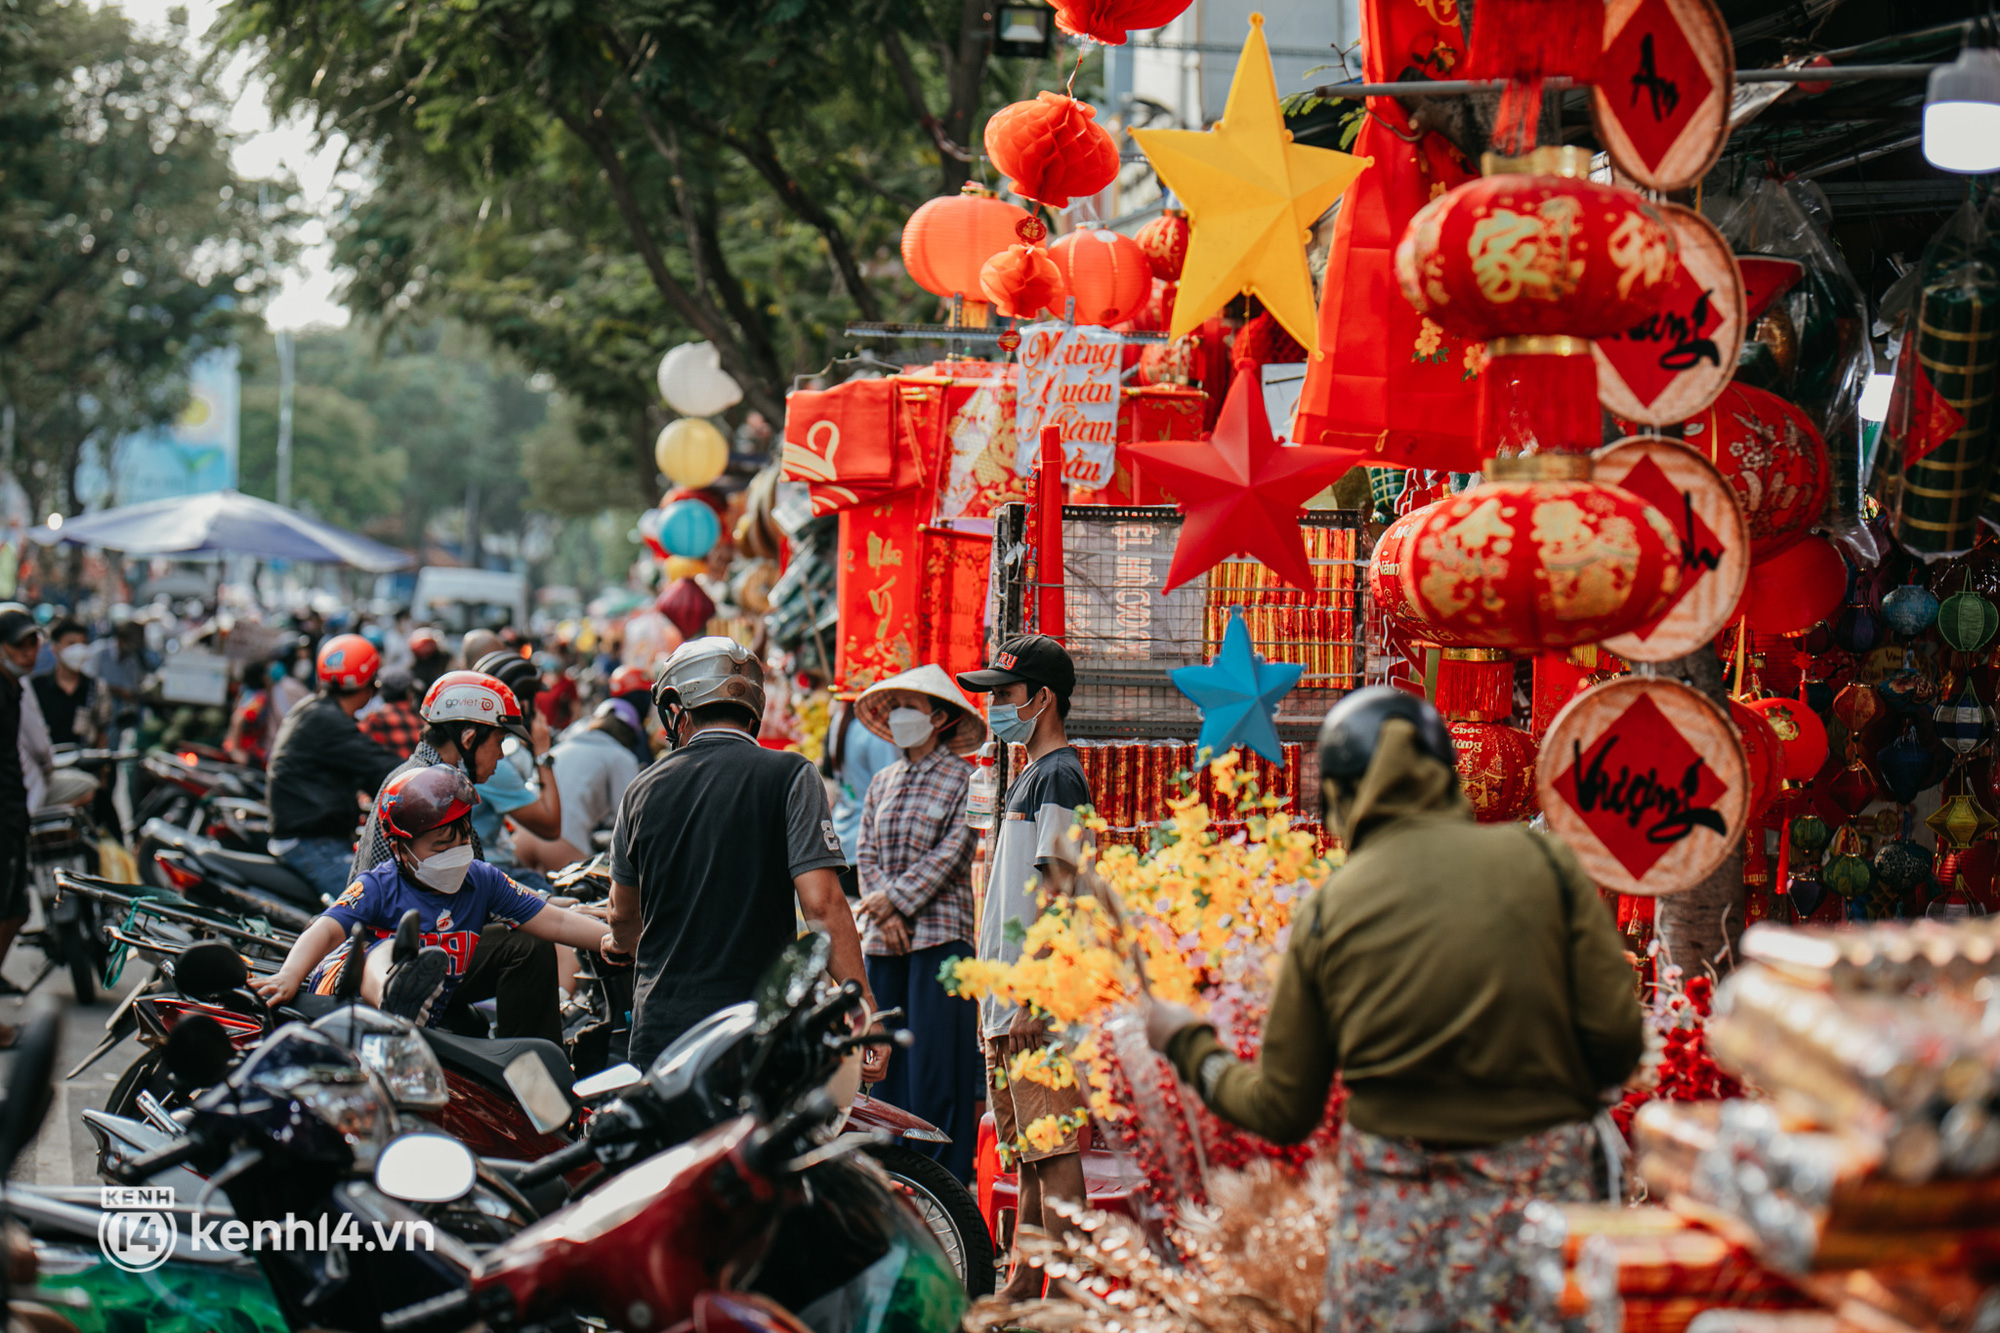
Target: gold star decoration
(1252, 196)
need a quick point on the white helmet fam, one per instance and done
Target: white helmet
(711, 670)
(476, 698)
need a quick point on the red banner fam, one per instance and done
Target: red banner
(881, 586)
(952, 630)
(843, 442)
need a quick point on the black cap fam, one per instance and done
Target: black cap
(17, 626)
(1035, 658)
(1348, 736)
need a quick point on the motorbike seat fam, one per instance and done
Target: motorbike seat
(487, 1058)
(314, 1007)
(265, 872)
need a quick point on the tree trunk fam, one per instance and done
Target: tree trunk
(966, 74)
(1698, 929)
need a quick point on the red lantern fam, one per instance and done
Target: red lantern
(1053, 148)
(1772, 455)
(1496, 766)
(1108, 21)
(1800, 732)
(1107, 273)
(1766, 755)
(1385, 576)
(1790, 592)
(1165, 241)
(1531, 564)
(949, 239)
(1540, 251)
(1022, 281)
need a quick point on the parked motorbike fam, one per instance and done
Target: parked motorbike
(252, 883)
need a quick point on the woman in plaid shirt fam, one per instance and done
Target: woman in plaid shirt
(915, 866)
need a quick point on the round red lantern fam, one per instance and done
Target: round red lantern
(1766, 755)
(949, 239)
(1165, 241)
(1108, 21)
(1496, 766)
(1385, 576)
(1537, 248)
(1022, 281)
(1772, 456)
(1534, 564)
(1107, 273)
(1052, 148)
(1800, 733)
(1790, 592)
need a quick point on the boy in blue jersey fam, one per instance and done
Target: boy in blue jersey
(427, 815)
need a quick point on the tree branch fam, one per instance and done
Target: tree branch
(758, 150)
(913, 93)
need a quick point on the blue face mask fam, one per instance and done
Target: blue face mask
(1008, 724)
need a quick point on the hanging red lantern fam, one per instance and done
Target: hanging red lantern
(1530, 564)
(1772, 456)
(1800, 733)
(1385, 576)
(949, 239)
(1022, 281)
(1109, 21)
(1106, 272)
(1052, 148)
(1790, 592)
(1496, 767)
(1165, 241)
(1765, 753)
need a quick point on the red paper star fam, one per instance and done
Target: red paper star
(1240, 490)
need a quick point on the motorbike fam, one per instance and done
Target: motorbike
(180, 785)
(203, 870)
(769, 1217)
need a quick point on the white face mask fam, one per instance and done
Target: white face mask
(74, 655)
(909, 727)
(445, 872)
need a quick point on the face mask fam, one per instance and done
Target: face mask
(12, 667)
(445, 871)
(1009, 725)
(74, 655)
(909, 727)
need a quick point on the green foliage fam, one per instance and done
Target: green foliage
(340, 470)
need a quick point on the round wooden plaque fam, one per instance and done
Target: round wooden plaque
(1646, 780)
(1679, 359)
(1661, 97)
(1715, 541)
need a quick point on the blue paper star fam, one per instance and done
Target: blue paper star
(1238, 694)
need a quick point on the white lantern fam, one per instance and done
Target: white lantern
(694, 383)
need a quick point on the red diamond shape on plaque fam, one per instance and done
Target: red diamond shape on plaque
(1676, 338)
(1655, 80)
(1641, 788)
(1701, 549)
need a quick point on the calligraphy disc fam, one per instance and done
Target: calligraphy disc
(1715, 541)
(1646, 780)
(1679, 359)
(1661, 99)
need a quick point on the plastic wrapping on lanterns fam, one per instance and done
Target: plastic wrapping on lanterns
(1824, 319)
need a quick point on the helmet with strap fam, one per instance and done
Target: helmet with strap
(348, 662)
(711, 670)
(514, 671)
(425, 798)
(476, 699)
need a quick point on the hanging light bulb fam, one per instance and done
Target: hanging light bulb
(1962, 109)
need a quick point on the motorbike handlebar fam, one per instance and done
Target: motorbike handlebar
(137, 1170)
(560, 1162)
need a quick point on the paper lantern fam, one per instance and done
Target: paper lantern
(1848, 875)
(1805, 890)
(1903, 867)
(1908, 768)
(1052, 148)
(1106, 272)
(1540, 249)
(649, 533)
(1165, 241)
(691, 452)
(1528, 565)
(689, 528)
(1772, 455)
(1809, 837)
(1800, 732)
(949, 239)
(1963, 724)
(1851, 790)
(1854, 632)
(1966, 621)
(1022, 282)
(1793, 590)
(1910, 609)
(1765, 753)
(1385, 575)
(1496, 767)
(1109, 21)
(694, 383)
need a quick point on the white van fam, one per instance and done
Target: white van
(457, 600)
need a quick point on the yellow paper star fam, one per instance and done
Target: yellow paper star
(1252, 196)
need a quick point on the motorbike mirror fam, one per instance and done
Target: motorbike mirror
(348, 986)
(425, 1168)
(409, 937)
(615, 1079)
(209, 970)
(197, 1053)
(537, 1091)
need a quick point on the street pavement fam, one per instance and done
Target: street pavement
(63, 1153)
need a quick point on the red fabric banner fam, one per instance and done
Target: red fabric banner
(844, 442)
(952, 630)
(880, 588)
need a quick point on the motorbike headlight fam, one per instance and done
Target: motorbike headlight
(407, 1066)
(353, 1106)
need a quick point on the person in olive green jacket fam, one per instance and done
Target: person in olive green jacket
(1468, 985)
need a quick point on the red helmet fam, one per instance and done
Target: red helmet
(348, 662)
(423, 799)
(474, 697)
(425, 641)
(626, 679)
